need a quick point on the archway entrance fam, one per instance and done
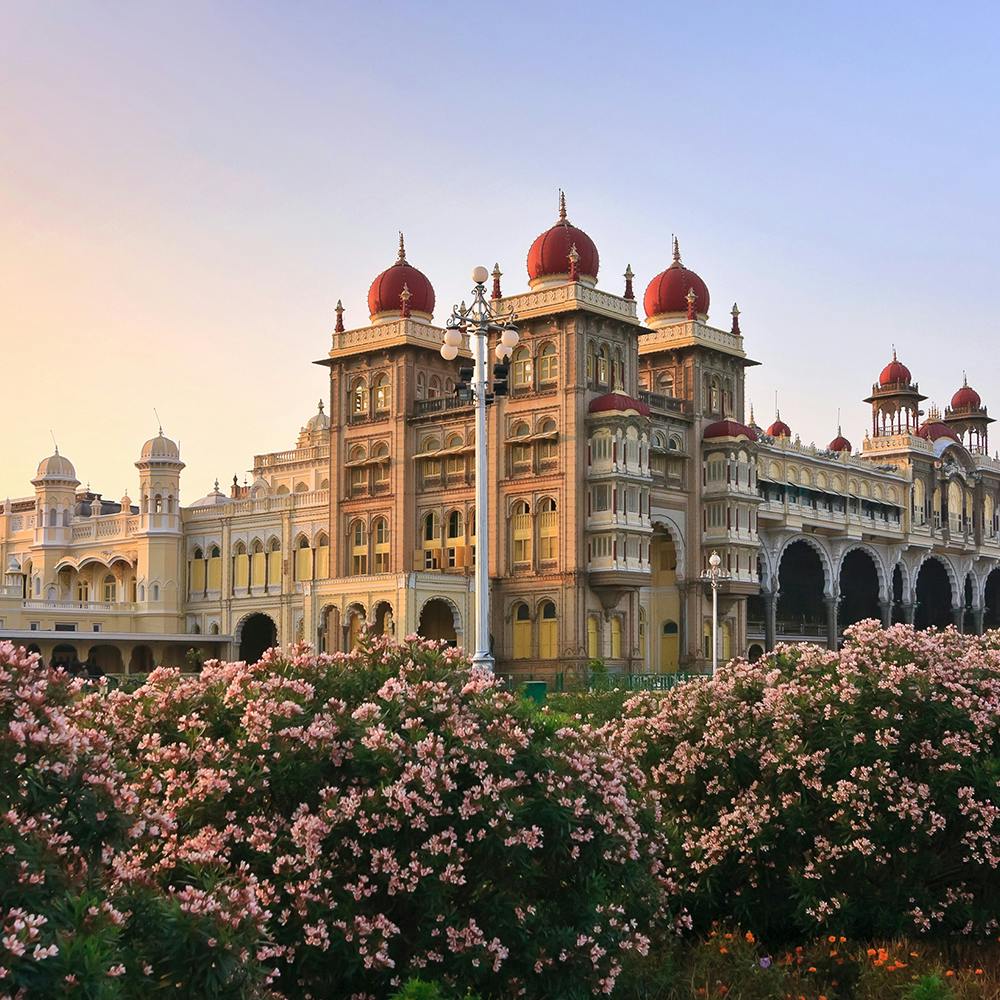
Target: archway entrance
(801, 584)
(259, 633)
(437, 621)
(330, 636)
(355, 624)
(141, 660)
(991, 601)
(104, 659)
(382, 623)
(64, 655)
(859, 597)
(669, 647)
(933, 596)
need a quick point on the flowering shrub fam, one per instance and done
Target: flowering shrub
(853, 791)
(73, 920)
(388, 814)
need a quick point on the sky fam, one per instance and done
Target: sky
(186, 189)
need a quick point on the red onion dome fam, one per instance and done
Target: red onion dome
(549, 254)
(729, 429)
(966, 398)
(385, 297)
(667, 293)
(839, 443)
(779, 429)
(931, 430)
(895, 373)
(617, 401)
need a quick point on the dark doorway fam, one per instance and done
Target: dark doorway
(801, 584)
(933, 596)
(258, 634)
(991, 602)
(437, 621)
(897, 596)
(858, 588)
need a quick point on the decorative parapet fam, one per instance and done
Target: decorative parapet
(258, 505)
(691, 333)
(568, 297)
(784, 446)
(311, 455)
(397, 333)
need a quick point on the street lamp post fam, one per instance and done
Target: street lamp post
(476, 321)
(714, 576)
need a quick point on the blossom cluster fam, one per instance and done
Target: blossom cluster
(853, 790)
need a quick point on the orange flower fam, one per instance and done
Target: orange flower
(749, 937)
(979, 972)
(812, 968)
(871, 952)
(914, 954)
(949, 973)
(723, 950)
(832, 939)
(843, 940)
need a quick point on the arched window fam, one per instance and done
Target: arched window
(110, 589)
(241, 566)
(619, 370)
(154, 592)
(301, 488)
(455, 527)
(455, 460)
(359, 471)
(521, 368)
(669, 647)
(282, 491)
(520, 452)
(548, 530)
(593, 637)
(303, 559)
(157, 504)
(380, 531)
(382, 393)
(616, 638)
(714, 401)
(359, 397)
(522, 632)
(665, 383)
(548, 364)
(520, 531)
(380, 464)
(548, 639)
(359, 547)
(603, 365)
(432, 527)
(258, 564)
(325, 484)
(434, 387)
(322, 556)
(548, 442)
(421, 390)
(591, 363)
(274, 565)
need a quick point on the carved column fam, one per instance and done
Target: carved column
(770, 619)
(977, 619)
(831, 621)
(958, 617)
(885, 607)
(909, 609)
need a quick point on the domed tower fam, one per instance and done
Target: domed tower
(316, 429)
(895, 401)
(968, 418)
(400, 291)
(562, 253)
(676, 295)
(55, 496)
(159, 468)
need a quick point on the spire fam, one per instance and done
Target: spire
(216, 484)
(321, 406)
(629, 294)
(677, 252)
(736, 319)
(339, 310)
(965, 380)
(404, 299)
(894, 358)
(497, 275)
(574, 263)
(691, 299)
(562, 207)
(753, 422)
(401, 259)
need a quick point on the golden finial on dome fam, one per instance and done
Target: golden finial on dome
(401, 259)
(677, 251)
(562, 206)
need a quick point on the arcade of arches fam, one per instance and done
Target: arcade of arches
(804, 606)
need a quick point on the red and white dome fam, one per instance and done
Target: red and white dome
(966, 398)
(548, 258)
(779, 429)
(618, 401)
(931, 430)
(386, 295)
(840, 443)
(729, 429)
(894, 373)
(667, 294)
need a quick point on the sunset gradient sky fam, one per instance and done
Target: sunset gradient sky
(186, 189)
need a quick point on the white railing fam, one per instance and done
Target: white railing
(88, 606)
(260, 505)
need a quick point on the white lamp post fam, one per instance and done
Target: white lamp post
(714, 576)
(476, 321)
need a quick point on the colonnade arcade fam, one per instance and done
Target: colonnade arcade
(812, 589)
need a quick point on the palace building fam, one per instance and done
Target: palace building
(622, 457)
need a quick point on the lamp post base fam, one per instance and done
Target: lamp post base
(483, 660)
